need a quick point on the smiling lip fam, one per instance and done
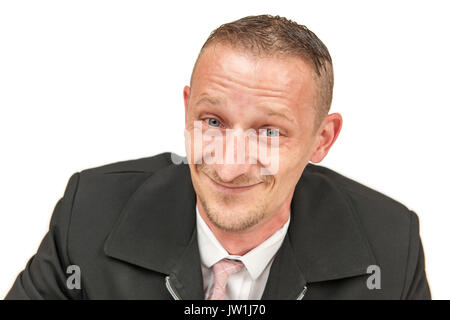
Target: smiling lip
(233, 189)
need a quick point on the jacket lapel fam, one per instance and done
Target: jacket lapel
(286, 281)
(186, 275)
(324, 240)
(327, 239)
(157, 231)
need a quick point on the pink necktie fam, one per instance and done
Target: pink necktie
(222, 270)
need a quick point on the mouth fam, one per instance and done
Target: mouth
(232, 189)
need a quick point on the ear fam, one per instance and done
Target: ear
(186, 94)
(326, 137)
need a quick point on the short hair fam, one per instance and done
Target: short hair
(267, 35)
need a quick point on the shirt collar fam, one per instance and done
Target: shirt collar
(255, 261)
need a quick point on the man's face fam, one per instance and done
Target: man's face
(232, 89)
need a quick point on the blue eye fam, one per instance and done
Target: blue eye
(272, 132)
(213, 122)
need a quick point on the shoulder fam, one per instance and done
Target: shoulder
(141, 165)
(113, 179)
(367, 202)
(112, 183)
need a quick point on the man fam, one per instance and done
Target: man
(268, 227)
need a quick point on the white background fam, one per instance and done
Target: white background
(85, 83)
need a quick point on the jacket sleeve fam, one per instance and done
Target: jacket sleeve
(44, 276)
(416, 284)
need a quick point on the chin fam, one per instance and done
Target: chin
(234, 215)
(236, 203)
(234, 224)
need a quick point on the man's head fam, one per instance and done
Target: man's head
(274, 76)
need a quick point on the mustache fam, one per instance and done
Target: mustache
(242, 180)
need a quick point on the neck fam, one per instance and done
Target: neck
(241, 242)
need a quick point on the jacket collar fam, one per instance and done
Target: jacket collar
(157, 230)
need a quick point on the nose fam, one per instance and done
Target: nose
(238, 157)
(230, 172)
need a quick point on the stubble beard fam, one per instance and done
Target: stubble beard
(226, 220)
(219, 207)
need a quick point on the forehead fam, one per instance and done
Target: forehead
(238, 72)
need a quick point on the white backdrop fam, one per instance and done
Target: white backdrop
(85, 83)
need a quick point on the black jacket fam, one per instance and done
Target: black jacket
(130, 227)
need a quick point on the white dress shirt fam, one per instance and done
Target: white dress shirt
(248, 283)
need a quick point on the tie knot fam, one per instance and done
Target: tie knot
(222, 270)
(226, 267)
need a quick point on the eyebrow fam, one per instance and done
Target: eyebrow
(270, 112)
(275, 113)
(209, 100)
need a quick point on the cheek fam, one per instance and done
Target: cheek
(291, 164)
(295, 149)
(291, 155)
